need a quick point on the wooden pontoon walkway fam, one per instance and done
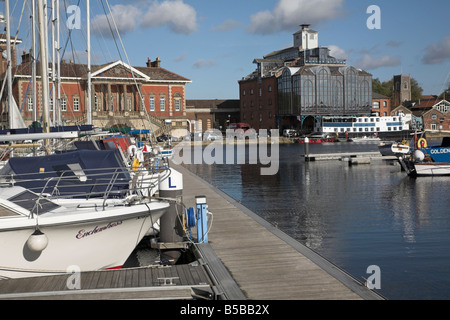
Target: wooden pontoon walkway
(263, 261)
(180, 282)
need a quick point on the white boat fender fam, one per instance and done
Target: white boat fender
(419, 155)
(132, 150)
(131, 198)
(38, 241)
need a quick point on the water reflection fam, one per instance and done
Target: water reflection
(355, 216)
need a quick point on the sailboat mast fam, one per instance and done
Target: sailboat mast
(58, 62)
(89, 80)
(9, 66)
(53, 64)
(43, 65)
(33, 59)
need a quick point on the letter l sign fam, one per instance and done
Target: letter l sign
(170, 183)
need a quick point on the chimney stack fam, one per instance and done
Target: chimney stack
(153, 64)
(26, 57)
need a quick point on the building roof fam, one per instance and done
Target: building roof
(424, 105)
(378, 96)
(74, 70)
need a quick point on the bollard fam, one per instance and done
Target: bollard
(306, 148)
(171, 229)
(202, 221)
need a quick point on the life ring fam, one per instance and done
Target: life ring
(422, 143)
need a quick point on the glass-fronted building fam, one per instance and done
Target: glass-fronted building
(309, 84)
(324, 90)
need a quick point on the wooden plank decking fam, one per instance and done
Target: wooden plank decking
(157, 282)
(265, 262)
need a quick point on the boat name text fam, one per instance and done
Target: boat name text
(438, 151)
(83, 233)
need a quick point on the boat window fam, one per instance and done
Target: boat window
(27, 200)
(6, 212)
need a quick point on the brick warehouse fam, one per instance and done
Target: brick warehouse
(119, 94)
(295, 87)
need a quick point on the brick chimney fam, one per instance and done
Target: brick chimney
(157, 63)
(26, 57)
(153, 64)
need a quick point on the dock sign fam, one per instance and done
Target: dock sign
(173, 182)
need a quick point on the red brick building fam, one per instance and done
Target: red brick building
(259, 105)
(381, 105)
(122, 95)
(435, 114)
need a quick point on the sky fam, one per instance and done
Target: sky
(213, 43)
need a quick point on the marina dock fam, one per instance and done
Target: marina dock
(347, 156)
(246, 258)
(263, 261)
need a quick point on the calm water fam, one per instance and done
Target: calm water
(354, 216)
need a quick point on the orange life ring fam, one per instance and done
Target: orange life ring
(422, 143)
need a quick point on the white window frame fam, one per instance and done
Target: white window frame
(64, 104)
(162, 103)
(76, 103)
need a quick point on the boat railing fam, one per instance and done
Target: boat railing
(106, 183)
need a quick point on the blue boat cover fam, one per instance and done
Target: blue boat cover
(82, 171)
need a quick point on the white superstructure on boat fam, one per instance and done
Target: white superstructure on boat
(363, 126)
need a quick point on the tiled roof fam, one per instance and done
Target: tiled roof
(427, 104)
(74, 70)
(378, 96)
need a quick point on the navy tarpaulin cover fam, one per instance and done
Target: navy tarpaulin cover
(83, 171)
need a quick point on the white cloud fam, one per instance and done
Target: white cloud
(125, 18)
(338, 52)
(180, 58)
(177, 15)
(202, 63)
(437, 53)
(289, 14)
(368, 62)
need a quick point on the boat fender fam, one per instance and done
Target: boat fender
(190, 213)
(422, 143)
(38, 241)
(135, 164)
(419, 155)
(132, 150)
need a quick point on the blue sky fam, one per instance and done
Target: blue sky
(213, 43)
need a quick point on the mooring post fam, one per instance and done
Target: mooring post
(306, 149)
(171, 228)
